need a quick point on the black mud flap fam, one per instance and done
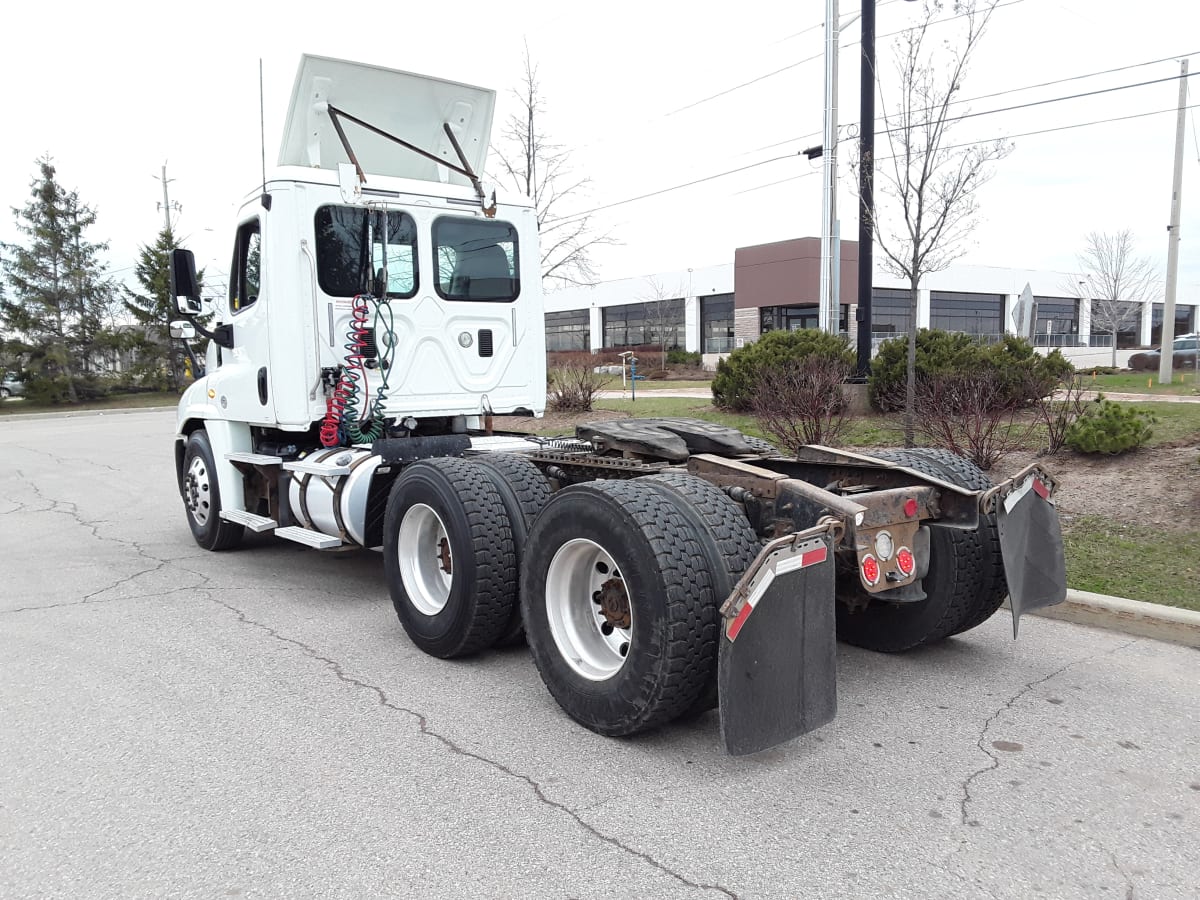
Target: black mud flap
(1032, 545)
(777, 663)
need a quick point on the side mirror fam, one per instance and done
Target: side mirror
(183, 331)
(184, 286)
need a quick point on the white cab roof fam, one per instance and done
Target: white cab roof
(411, 107)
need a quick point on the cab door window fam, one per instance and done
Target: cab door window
(246, 270)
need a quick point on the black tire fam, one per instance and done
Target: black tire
(729, 544)
(659, 569)
(470, 524)
(524, 490)
(202, 496)
(965, 584)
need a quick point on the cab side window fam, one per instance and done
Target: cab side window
(244, 272)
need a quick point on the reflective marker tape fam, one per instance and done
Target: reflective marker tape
(791, 564)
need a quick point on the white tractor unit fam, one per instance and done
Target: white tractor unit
(384, 317)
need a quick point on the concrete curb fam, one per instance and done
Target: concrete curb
(1163, 623)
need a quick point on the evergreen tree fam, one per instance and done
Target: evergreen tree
(60, 295)
(160, 361)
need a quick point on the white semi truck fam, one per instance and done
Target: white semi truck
(384, 317)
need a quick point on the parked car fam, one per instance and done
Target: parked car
(11, 386)
(1183, 356)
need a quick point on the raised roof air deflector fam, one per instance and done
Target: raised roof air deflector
(413, 107)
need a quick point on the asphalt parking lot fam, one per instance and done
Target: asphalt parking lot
(256, 724)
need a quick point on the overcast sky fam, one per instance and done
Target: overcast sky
(113, 90)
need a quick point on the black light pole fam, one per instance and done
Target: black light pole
(866, 186)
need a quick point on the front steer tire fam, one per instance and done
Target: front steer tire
(448, 557)
(619, 540)
(202, 497)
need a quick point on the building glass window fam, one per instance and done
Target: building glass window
(797, 317)
(1057, 321)
(1124, 317)
(976, 314)
(890, 308)
(656, 323)
(716, 323)
(1185, 321)
(569, 330)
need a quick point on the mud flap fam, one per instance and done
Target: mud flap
(1031, 543)
(777, 664)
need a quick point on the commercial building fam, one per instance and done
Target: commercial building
(714, 309)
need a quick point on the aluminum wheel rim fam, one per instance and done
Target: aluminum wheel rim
(591, 645)
(426, 563)
(197, 494)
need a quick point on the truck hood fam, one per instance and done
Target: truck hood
(412, 107)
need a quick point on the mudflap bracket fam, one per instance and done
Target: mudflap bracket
(777, 669)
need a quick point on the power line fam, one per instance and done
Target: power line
(1016, 90)
(579, 215)
(1156, 112)
(790, 66)
(849, 12)
(576, 216)
(988, 112)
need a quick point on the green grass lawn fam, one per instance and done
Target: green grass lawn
(1134, 561)
(1142, 383)
(117, 401)
(614, 384)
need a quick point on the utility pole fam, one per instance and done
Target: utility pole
(827, 318)
(1166, 356)
(166, 206)
(866, 188)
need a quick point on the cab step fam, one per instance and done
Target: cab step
(314, 539)
(248, 519)
(257, 459)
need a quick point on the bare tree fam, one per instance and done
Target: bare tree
(663, 311)
(1118, 283)
(929, 186)
(541, 170)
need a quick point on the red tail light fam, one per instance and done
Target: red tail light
(870, 570)
(910, 507)
(904, 561)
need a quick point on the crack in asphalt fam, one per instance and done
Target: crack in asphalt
(1008, 704)
(1130, 894)
(64, 461)
(67, 603)
(423, 726)
(71, 509)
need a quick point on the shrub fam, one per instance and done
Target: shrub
(802, 403)
(682, 358)
(738, 376)
(1059, 410)
(573, 387)
(1022, 374)
(1107, 427)
(968, 414)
